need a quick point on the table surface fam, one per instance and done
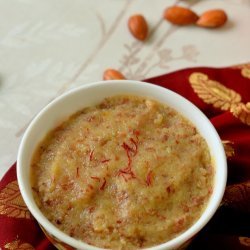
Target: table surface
(48, 47)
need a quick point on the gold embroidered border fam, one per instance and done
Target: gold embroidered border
(245, 69)
(17, 245)
(215, 93)
(11, 202)
(228, 147)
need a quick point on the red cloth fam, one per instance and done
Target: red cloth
(224, 96)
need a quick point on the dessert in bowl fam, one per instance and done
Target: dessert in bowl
(121, 165)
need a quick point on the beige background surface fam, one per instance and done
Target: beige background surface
(50, 46)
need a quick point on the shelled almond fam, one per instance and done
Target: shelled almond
(112, 74)
(138, 27)
(180, 15)
(212, 19)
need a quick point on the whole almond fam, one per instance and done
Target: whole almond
(212, 19)
(180, 15)
(138, 27)
(112, 74)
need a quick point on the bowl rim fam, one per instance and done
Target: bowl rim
(175, 242)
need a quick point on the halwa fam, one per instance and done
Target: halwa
(127, 173)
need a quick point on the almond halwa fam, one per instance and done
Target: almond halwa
(128, 173)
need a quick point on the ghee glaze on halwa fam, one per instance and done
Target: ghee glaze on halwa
(128, 173)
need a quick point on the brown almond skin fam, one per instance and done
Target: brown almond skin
(112, 74)
(180, 15)
(212, 19)
(138, 27)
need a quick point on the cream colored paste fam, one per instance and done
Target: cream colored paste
(128, 173)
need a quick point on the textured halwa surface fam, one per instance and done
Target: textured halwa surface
(128, 173)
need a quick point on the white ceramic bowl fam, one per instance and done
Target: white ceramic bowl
(91, 94)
